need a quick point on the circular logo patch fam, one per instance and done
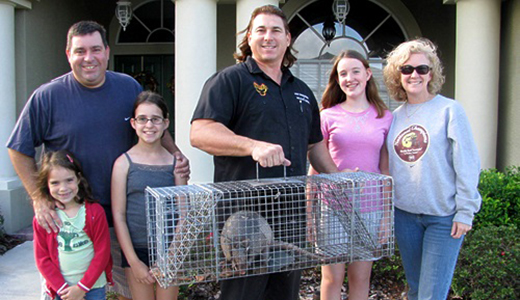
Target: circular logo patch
(411, 143)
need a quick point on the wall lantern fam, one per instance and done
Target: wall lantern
(328, 31)
(124, 13)
(341, 9)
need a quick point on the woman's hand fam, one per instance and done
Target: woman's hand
(459, 229)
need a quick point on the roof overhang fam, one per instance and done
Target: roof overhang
(21, 4)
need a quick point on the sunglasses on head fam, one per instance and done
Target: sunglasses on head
(422, 69)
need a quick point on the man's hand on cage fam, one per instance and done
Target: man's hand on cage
(269, 155)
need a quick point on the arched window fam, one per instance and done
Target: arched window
(367, 28)
(152, 22)
(145, 50)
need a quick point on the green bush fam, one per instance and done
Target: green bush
(2, 231)
(389, 269)
(500, 198)
(489, 264)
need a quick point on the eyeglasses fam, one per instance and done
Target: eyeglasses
(144, 120)
(421, 70)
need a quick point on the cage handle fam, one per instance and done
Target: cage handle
(258, 172)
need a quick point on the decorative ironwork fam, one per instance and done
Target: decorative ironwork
(124, 13)
(341, 9)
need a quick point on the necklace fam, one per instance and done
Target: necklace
(409, 115)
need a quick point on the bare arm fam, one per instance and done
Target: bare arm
(320, 159)
(25, 167)
(182, 167)
(312, 171)
(216, 139)
(383, 160)
(182, 203)
(385, 226)
(118, 195)
(168, 143)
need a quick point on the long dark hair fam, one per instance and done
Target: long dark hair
(245, 50)
(64, 159)
(334, 95)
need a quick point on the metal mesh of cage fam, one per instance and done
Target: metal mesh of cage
(216, 231)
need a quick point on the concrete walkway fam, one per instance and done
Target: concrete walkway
(19, 278)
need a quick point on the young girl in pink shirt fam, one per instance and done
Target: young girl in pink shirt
(355, 123)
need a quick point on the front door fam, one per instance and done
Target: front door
(154, 73)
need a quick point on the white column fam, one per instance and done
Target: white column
(244, 10)
(195, 61)
(477, 71)
(7, 85)
(14, 207)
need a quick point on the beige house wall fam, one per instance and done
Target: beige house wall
(226, 30)
(40, 43)
(40, 56)
(508, 146)
(40, 39)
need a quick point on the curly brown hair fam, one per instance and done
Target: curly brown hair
(400, 55)
(64, 159)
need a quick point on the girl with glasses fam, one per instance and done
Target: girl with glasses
(147, 163)
(435, 165)
(355, 123)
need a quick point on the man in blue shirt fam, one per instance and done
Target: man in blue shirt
(85, 111)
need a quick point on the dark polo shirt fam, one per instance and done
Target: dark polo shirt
(249, 103)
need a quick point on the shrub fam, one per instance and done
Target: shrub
(2, 231)
(500, 198)
(489, 264)
(389, 269)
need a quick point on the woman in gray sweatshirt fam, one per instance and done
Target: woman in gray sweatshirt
(435, 165)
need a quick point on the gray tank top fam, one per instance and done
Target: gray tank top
(139, 177)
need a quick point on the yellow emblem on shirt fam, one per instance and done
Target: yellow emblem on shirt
(260, 88)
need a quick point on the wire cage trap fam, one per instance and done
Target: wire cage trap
(217, 231)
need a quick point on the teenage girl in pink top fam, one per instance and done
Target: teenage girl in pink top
(355, 123)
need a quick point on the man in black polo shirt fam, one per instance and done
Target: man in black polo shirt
(258, 112)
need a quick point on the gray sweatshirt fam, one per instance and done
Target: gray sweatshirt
(434, 160)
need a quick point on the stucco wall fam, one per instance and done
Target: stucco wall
(40, 43)
(437, 23)
(508, 152)
(226, 31)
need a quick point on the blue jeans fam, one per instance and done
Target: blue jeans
(94, 294)
(428, 252)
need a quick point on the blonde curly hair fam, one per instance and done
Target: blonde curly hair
(397, 58)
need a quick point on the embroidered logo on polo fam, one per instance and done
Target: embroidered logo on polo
(412, 143)
(302, 97)
(260, 88)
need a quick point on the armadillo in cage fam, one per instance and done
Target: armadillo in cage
(247, 239)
